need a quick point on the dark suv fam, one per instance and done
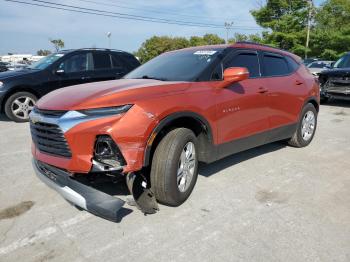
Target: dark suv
(335, 83)
(19, 90)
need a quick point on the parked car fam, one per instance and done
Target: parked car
(335, 83)
(317, 67)
(183, 107)
(308, 61)
(16, 67)
(3, 66)
(19, 90)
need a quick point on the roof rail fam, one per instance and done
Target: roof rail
(259, 44)
(92, 48)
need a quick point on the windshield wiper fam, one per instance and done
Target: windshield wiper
(152, 77)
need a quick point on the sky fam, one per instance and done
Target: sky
(26, 29)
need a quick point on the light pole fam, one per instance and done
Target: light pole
(311, 5)
(109, 34)
(228, 26)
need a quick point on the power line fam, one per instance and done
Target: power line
(77, 9)
(151, 10)
(106, 15)
(127, 15)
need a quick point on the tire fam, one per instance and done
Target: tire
(23, 102)
(303, 136)
(169, 188)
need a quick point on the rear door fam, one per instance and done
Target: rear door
(285, 88)
(242, 108)
(107, 66)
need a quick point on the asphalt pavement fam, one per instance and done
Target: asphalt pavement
(272, 203)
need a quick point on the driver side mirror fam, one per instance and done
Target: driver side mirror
(235, 74)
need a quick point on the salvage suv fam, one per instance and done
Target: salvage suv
(154, 126)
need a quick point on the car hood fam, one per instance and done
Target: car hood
(108, 93)
(337, 72)
(16, 73)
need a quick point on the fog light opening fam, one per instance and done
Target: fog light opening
(107, 156)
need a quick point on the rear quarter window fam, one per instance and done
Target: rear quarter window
(124, 60)
(293, 65)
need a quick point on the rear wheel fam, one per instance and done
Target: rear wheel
(19, 105)
(175, 167)
(306, 127)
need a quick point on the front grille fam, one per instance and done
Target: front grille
(49, 138)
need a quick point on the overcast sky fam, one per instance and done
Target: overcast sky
(26, 29)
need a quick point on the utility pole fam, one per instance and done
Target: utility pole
(228, 26)
(109, 34)
(311, 5)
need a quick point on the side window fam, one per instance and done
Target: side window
(248, 60)
(75, 63)
(116, 61)
(275, 66)
(101, 60)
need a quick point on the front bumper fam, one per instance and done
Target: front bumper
(81, 195)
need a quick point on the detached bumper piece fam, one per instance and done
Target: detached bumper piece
(81, 195)
(143, 196)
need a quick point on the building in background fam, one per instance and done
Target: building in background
(20, 58)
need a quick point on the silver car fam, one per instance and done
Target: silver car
(318, 66)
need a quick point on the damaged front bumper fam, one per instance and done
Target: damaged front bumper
(83, 196)
(93, 200)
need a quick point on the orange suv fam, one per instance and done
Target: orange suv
(153, 126)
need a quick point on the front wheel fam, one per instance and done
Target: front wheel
(306, 127)
(175, 167)
(19, 105)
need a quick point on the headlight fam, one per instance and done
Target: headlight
(1, 84)
(105, 111)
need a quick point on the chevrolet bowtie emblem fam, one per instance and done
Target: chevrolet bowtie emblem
(35, 118)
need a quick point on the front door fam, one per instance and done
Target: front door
(242, 109)
(76, 69)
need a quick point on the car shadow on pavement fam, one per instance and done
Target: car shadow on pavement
(337, 103)
(4, 118)
(208, 170)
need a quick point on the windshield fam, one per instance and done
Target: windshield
(46, 61)
(183, 65)
(343, 62)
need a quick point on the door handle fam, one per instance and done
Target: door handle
(85, 77)
(262, 90)
(298, 82)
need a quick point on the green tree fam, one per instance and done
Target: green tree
(57, 43)
(256, 38)
(42, 52)
(286, 21)
(331, 35)
(157, 45)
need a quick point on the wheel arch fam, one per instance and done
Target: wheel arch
(314, 102)
(17, 89)
(194, 121)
